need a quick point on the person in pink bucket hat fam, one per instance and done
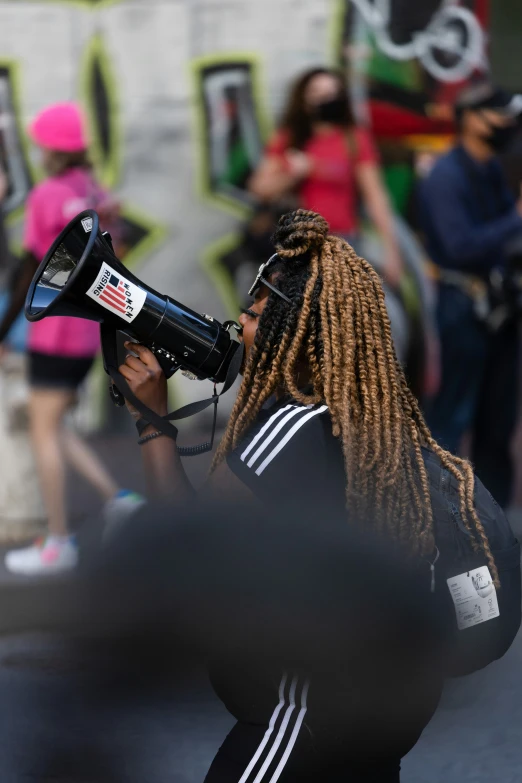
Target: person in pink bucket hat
(60, 127)
(61, 350)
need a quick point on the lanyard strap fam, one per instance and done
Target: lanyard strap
(162, 423)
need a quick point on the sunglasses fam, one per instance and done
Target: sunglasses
(261, 279)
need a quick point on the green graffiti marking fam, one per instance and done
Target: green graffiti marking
(218, 274)
(200, 67)
(99, 94)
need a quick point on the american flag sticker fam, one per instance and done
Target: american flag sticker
(117, 294)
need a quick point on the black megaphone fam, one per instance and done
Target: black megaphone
(81, 276)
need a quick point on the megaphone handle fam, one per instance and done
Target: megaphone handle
(110, 360)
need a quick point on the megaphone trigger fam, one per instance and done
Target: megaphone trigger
(166, 361)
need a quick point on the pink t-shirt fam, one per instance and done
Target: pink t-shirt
(330, 188)
(50, 206)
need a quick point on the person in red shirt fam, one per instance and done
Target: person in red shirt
(321, 156)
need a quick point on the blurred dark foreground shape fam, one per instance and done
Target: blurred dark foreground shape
(231, 579)
(179, 589)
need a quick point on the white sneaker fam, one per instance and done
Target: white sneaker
(120, 509)
(48, 556)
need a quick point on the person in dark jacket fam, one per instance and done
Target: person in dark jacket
(469, 217)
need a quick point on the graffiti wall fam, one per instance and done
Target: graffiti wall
(179, 96)
(408, 61)
(415, 57)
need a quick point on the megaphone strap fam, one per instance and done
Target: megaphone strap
(162, 423)
(200, 405)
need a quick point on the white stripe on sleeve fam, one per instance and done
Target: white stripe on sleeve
(263, 429)
(264, 445)
(290, 434)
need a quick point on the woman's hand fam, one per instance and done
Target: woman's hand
(393, 267)
(166, 477)
(146, 379)
(299, 164)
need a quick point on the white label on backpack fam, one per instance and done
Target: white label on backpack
(474, 596)
(116, 294)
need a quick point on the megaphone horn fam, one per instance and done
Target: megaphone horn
(81, 276)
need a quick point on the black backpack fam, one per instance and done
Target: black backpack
(478, 645)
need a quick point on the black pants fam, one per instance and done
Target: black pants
(234, 759)
(479, 391)
(321, 728)
(232, 762)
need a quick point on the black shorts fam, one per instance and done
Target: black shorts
(47, 371)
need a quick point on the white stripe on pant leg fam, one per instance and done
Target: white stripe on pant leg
(263, 429)
(268, 732)
(275, 431)
(280, 735)
(293, 738)
(290, 434)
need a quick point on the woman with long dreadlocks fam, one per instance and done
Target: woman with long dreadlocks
(323, 420)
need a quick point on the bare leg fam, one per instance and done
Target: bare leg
(86, 463)
(46, 410)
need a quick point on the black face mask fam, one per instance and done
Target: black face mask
(501, 138)
(333, 111)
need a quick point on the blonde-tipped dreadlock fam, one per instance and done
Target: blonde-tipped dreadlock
(338, 326)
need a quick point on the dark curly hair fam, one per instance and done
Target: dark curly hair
(338, 327)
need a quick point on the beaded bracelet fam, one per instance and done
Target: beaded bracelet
(142, 424)
(151, 436)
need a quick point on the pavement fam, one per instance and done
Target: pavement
(72, 712)
(62, 722)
